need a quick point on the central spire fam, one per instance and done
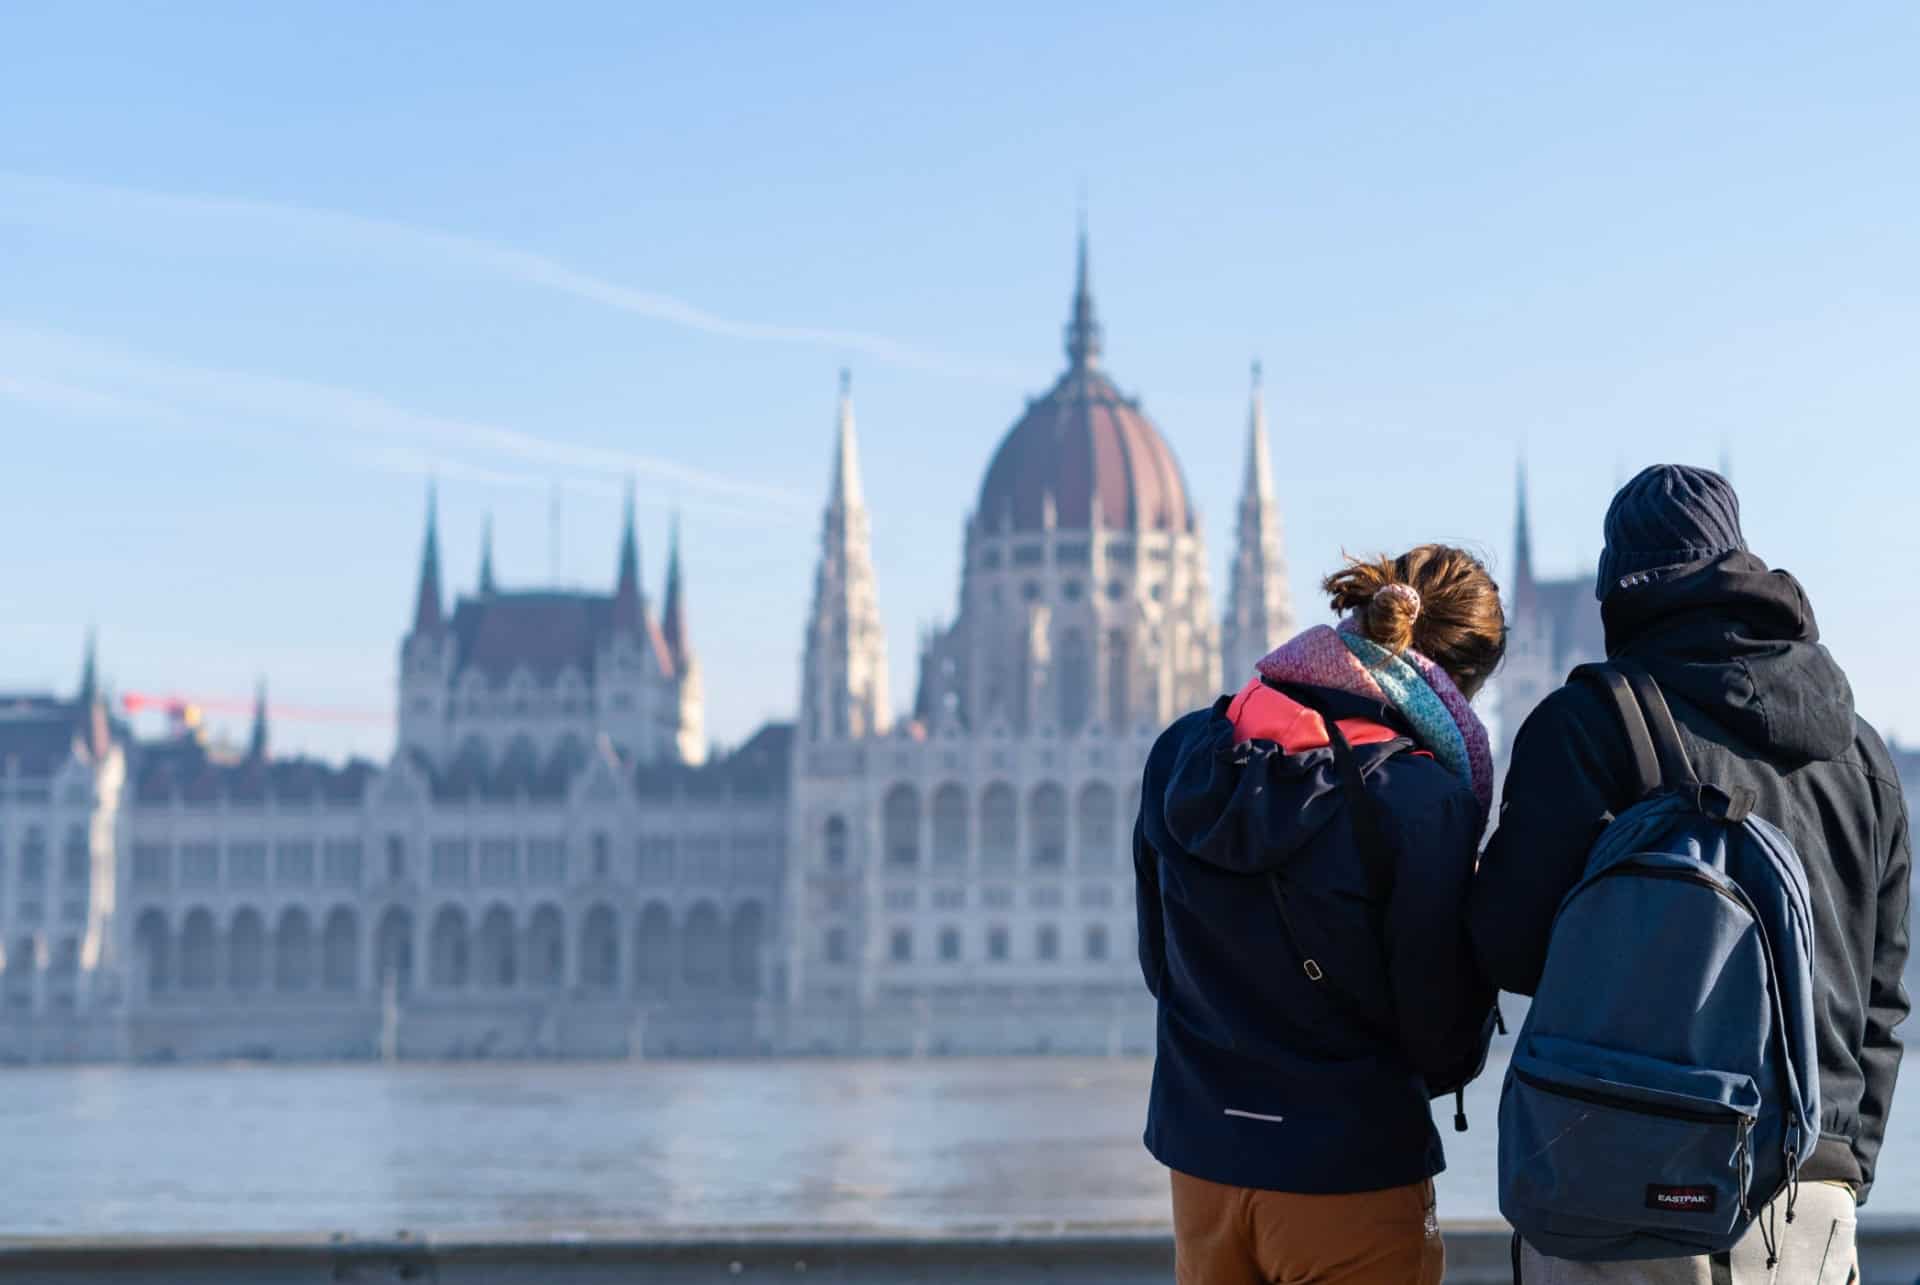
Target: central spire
(1083, 328)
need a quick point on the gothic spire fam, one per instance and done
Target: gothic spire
(89, 674)
(487, 587)
(845, 490)
(1522, 538)
(627, 606)
(844, 670)
(1259, 616)
(257, 738)
(427, 613)
(1083, 328)
(673, 618)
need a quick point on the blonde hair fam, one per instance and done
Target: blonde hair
(1436, 599)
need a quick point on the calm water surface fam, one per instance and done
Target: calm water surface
(590, 1148)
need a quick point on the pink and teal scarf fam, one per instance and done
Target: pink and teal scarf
(1442, 720)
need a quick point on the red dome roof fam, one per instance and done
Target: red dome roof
(1087, 448)
(1091, 450)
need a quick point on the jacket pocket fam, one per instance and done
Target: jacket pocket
(1596, 1137)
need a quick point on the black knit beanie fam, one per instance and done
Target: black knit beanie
(1668, 516)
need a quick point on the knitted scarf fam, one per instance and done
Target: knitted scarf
(1442, 720)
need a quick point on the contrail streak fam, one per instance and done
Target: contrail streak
(60, 203)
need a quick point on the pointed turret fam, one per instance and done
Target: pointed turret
(257, 738)
(1522, 542)
(673, 615)
(89, 674)
(628, 609)
(428, 617)
(1259, 616)
(844, 679)
(90, 702)
(487, 586)
(1083, 327)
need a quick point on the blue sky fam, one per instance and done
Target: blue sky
(265, 268)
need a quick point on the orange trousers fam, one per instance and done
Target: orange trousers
(1241, 1236)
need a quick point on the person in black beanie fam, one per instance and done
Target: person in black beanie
(1760, 703)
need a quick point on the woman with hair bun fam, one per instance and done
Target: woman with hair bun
(1302, 859)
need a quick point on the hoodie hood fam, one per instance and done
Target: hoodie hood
(1738, 642)
(1230, 794)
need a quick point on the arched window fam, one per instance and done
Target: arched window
(748, 933)
(293, 951)
(1119, 683)
(1073, 673)
(1096, 825)
(66, 959)
(23, 961)
(836, 841)
(519, 771)
(340, 951)
(1096, 942)
(703, 947)
(1046, 943)
(197, 950)
(900, 825)
(1047, 826)
(393, 950)
(447, 948)
(653, 950)
(247, 951)
(949, 945)
(602, 849)
(999, 828)
(546, 948)
(600, 949)
(950, 826)
(497, 968)
(151, 948)
(836, 946)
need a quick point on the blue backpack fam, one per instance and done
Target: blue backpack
(1665, 1089)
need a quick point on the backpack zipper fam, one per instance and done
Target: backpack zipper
(1628, 869)
(1698, 1115)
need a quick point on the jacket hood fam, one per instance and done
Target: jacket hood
(1230, 793)
(1738, 642)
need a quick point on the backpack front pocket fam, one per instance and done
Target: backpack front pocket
(1590, 1137)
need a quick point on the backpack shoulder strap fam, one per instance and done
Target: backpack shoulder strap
(1676, 769)
(1376, 853)
(1646, 756)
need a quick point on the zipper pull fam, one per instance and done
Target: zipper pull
(1744, 1166)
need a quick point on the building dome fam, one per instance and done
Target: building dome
(1084, 449)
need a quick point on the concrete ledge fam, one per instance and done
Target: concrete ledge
(1015, 1254)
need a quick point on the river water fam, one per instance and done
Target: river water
(500, 1148)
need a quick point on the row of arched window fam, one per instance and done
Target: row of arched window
(1090, 833)
(497, 951)
(25, 956)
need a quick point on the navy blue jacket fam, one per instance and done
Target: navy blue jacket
(1266, 1078)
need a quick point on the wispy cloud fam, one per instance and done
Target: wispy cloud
(61, 203)
(81, 376)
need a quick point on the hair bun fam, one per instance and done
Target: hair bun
(1406, 595)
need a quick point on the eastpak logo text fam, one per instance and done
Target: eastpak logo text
(1682, 1200)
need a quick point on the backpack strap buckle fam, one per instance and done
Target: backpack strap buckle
(1312, 969)
(1732, 806)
